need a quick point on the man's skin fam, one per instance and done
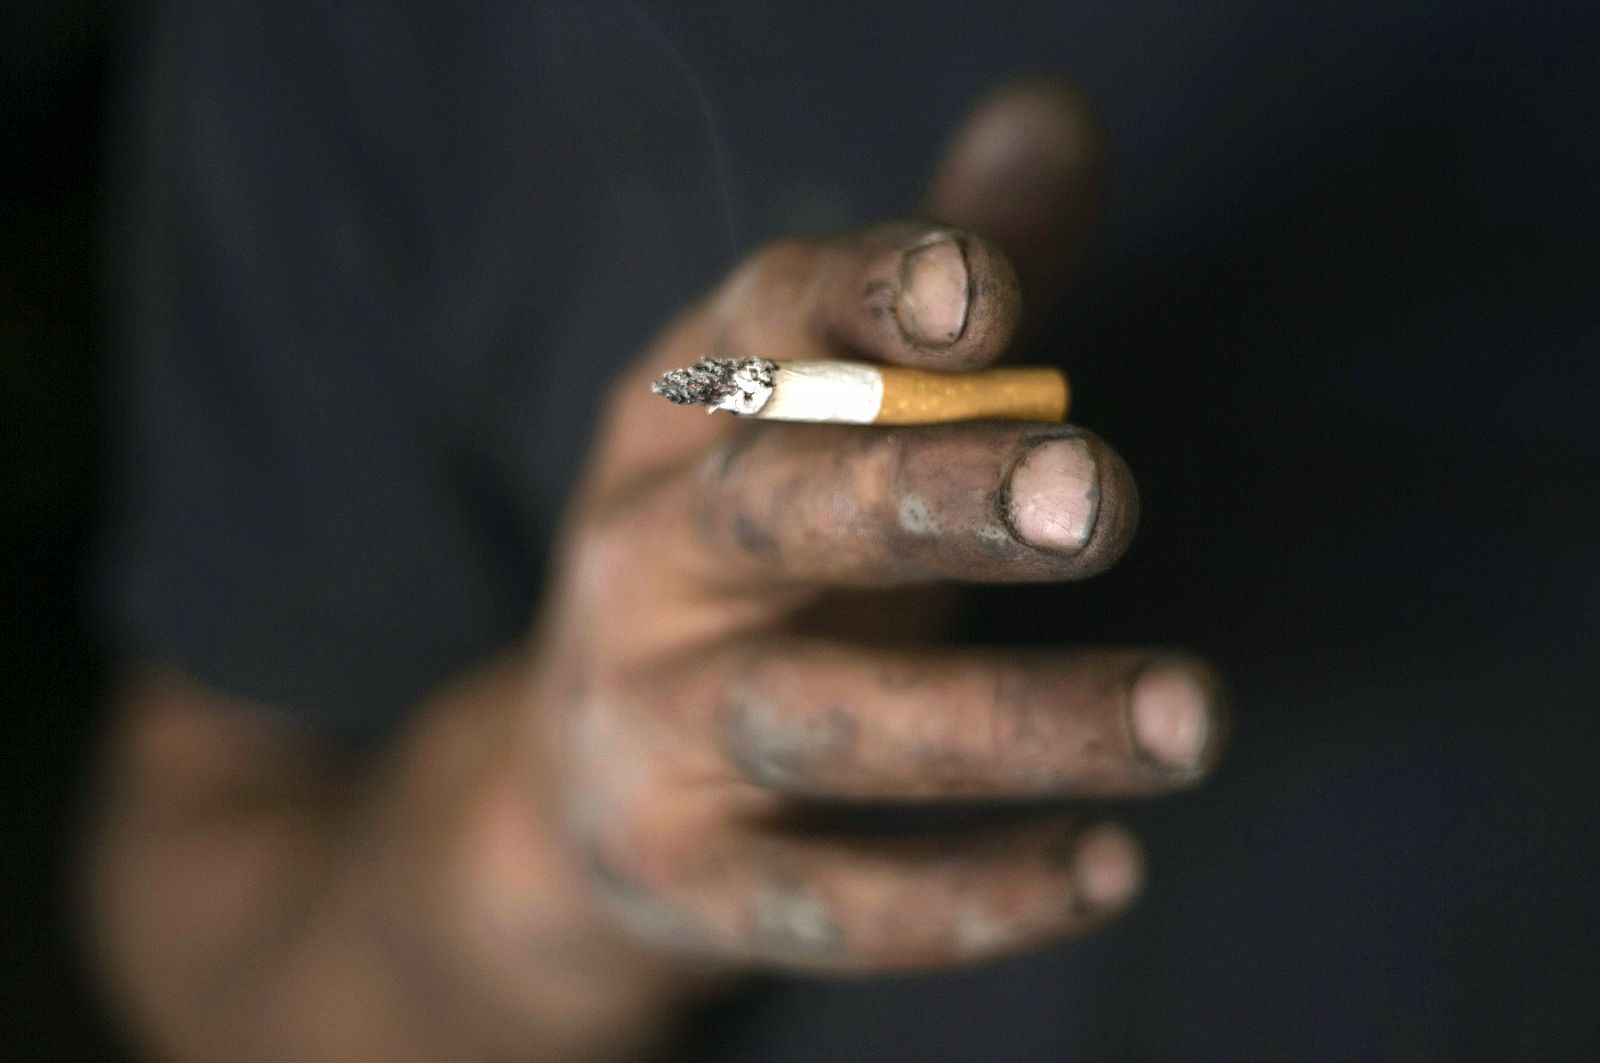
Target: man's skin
(578, 840)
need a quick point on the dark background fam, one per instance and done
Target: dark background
(53, 76)
(1373, 491)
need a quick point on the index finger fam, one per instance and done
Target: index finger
(907, 293)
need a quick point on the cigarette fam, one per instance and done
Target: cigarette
(861, 393)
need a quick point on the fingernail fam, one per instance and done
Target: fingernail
(1107, 867)
(932, 306)
(1171, 715)
(1054, 495)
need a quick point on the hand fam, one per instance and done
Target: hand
(705, 721)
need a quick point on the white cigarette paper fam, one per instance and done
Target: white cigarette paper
(863, 393)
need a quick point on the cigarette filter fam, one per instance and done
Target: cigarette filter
(862, 393)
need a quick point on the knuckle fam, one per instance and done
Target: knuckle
(648, 842)
(779, 263)
(783, 751)
(603, 555)
(780, 253)
(645, 906)
(792, 922)
(877, 467)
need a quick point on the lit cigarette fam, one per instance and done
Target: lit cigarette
(861, 393)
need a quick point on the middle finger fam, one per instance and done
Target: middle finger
(785, 506)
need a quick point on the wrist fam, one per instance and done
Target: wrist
(515, 931)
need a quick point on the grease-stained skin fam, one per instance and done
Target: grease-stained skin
(713, 693)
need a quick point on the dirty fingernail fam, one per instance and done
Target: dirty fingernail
(1171, 715)
(932, 306)
(1054, 495)
(1107, 868)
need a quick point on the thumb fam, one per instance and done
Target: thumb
(1025, 169)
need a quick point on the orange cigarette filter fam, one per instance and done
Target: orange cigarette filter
(1023, 393)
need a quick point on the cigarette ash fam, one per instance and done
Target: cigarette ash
(741, 385)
